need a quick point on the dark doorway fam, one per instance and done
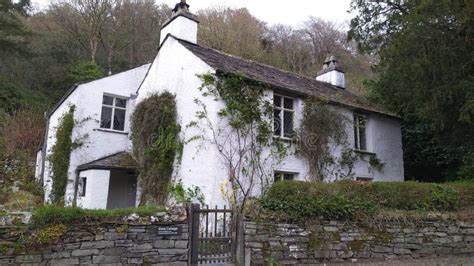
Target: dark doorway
(122, 189)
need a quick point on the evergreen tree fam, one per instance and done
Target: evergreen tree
(426, 74)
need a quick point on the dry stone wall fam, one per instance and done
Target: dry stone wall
(337, 241)
(102, 243)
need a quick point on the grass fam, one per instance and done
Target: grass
(51, 214)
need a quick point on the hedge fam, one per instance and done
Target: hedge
(347, 199)
(52, 214)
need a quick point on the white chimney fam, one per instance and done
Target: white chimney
(332, 73)
(182, 25)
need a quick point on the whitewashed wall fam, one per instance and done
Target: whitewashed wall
(96, 143)
(175, 69)
(97, 189)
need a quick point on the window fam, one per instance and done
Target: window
(278, 176)
(113, 113)
(283, 116)
(82, 187)
(360, 137)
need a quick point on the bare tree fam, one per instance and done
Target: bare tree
(83, 21)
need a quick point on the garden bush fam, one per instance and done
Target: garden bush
(53, 214)
(348, 199)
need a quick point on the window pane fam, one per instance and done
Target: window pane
(361, 121)
(106, 117)
(108, 100)
(120, 102)
(277, 100)
(288, 176)
(363, 141)
(276, 176)
(288, 124)
(288, 103)
(119, 119)
(277, 122)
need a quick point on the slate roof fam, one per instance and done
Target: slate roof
(117, 161)
(281, 80)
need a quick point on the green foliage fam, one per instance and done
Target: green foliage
(415, 196)
(180, 194)
(14, 98)
(347, 199)
(14, 35)
(60, 157)
(321, 127)
(299, 199)
(49, 234)
(243, 100)
(156, 144)
(83, 71)
(426, 76)
(22, 201)
(247, 117)
(52, 214)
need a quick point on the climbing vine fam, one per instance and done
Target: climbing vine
(321, 128)
(242, 134)
(322, 133)
(156, 144)
(60, 156)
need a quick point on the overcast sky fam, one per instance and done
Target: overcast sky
(291, 12)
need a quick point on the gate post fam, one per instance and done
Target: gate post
(239, 240)
(194, 234)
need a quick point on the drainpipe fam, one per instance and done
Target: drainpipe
(43, 152)
(74, 201)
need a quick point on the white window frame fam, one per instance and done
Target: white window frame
(282, 173)
(282, 115)
(357, 131)
(115, 97)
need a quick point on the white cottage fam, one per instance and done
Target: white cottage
(102, 173)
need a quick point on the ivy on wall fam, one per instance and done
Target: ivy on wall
(60, 156)
(323, 130)
(242, 135)
(155, 145)
(321, 127)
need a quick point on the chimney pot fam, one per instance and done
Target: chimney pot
(182, 24)
(332, 73)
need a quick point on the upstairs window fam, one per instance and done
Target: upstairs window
(279, 176)
(113, 113)
(283, 116)
(360, 132)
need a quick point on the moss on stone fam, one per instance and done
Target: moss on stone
(49, 234)
(356, 245)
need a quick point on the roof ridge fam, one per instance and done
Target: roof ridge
(252, 61)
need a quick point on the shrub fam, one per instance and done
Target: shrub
(348, 199)
(300, 199)
(415, 196)
(60, 156)
(22, 201)
(156, 145)
(466, 192)
(52, 214)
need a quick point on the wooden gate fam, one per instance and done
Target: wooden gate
(213, 235)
